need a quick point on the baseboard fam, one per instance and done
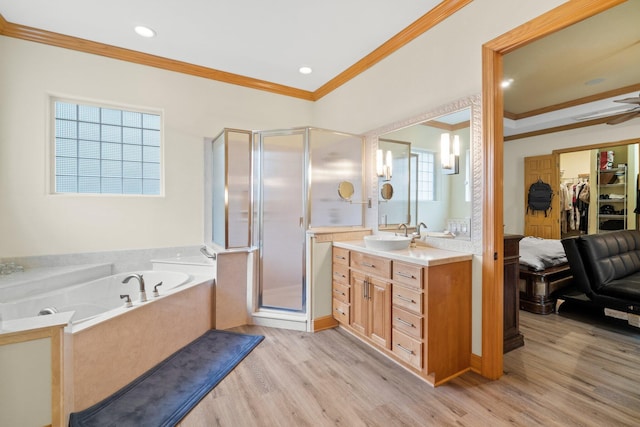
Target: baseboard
(280, 320)
(476, 363)
(322, 323)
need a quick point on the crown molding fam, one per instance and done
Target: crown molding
(574, 102)
(74, 43)
(445, 9)
(417, 28)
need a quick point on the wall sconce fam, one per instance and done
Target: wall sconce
(450, 154)
(384, 167)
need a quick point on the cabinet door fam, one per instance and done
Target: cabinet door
(380, 312)
(359, 303)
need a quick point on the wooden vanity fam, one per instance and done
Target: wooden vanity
(413, 305)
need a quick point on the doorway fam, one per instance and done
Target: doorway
(564, 15)
(601, 183)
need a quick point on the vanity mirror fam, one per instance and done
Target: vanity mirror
(386, 191)
(393, 171)
(438, 188)
(345, 190)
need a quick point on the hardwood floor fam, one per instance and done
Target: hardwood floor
(569, 373)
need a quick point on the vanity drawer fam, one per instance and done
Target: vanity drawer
(341, 292)
(407, 349)
(341, 273)
(341, 256)
(409, 299)
(406, 322)
(372, 264)
(407, 274)
(341, 312)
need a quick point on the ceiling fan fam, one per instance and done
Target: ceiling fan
(629, 114)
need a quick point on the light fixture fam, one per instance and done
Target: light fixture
(144, 31)
(305, 70)
(506, 83)
(384, 165)
(449, 154)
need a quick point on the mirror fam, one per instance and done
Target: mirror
(386, 192)
(443, 200)
(393, 178)
(345, 190)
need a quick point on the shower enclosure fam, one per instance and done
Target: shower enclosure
(296, 176)
(264, 191)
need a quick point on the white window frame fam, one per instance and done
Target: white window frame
(51, 114)
(420, 182)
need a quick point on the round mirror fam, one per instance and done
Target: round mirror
(386, 192)
(345, 190)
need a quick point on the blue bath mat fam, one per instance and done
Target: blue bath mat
(165, 394)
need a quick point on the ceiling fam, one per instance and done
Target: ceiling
(270, 41)
(266, 40)
(592, 59)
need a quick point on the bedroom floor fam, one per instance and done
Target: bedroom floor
(574, 370)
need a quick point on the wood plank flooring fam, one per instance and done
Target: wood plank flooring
(569, 373)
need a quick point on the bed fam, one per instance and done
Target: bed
(544, 272)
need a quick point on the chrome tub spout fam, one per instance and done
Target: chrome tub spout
(143, 293)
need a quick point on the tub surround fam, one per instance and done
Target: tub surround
(109, 355)
(34, 281)
(96, 357)
(232, 275)
(35, 367)
(197, 264)
(16, 326)
(121, 261)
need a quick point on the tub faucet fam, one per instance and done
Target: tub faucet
(205, 251)
(143, 294)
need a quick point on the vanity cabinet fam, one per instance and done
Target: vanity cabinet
(371, 302)
(340, 286)
(418, 315)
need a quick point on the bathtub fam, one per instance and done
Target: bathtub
(99, 297)
(107, 345)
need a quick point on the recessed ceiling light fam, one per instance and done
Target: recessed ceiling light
(144, 31)
(506, 83)
(305, 70)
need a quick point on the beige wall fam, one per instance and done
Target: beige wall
(441, 66)
(33, 222)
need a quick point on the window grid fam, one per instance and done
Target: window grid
(106, 151)
(426, 175)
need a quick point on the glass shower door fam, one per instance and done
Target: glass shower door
(282, 225)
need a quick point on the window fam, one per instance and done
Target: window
(103, 150)
(425, 175)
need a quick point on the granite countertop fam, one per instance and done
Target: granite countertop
(423, 255)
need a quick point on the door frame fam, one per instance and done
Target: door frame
(493, 154)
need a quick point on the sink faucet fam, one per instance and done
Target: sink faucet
(417, 233)
(143, 294)
(406, 234)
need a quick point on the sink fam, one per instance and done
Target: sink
(386, 242)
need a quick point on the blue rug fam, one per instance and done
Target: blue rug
(165, 394)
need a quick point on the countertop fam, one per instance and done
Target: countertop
(423, 255)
